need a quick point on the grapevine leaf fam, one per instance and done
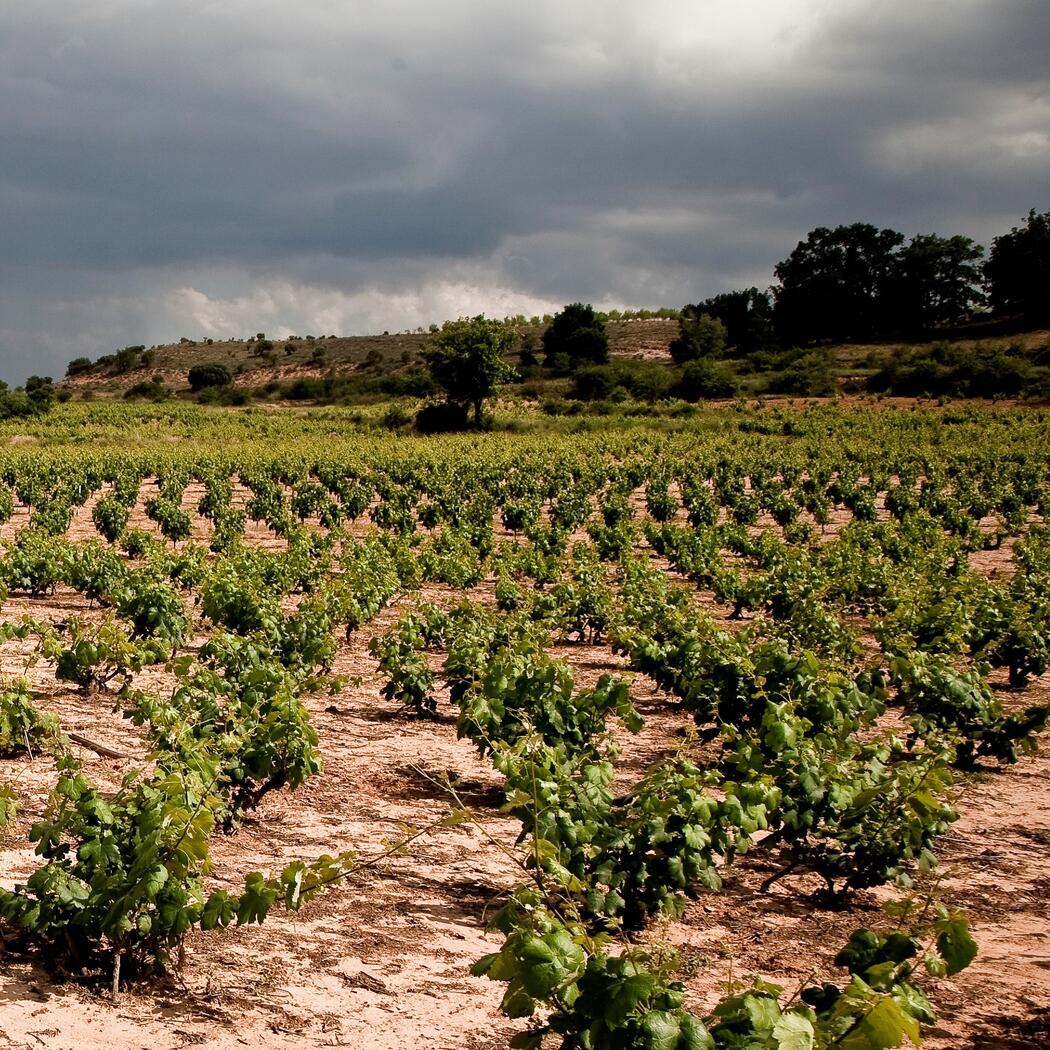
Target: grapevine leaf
(956, 945)
(794, 1032)
(883, 1027)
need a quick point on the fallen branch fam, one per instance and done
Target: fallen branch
(99, 749)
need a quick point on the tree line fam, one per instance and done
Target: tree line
(857, 283)
(854, 283)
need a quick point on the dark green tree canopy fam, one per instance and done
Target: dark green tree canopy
(702, 336)
(577, 333)
(40, 387)
(1018, 270)
(35, 398)
(857, 282)
(202, 376)
(836, 284)
(937, 283)
(466, 359)
(747, 315)
(78, 366)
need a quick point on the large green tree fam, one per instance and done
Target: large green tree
(747, 315)
(467, 360)
(1018, 270)
(937, 283)
(577, 334)
(836, 285)
(702, 336)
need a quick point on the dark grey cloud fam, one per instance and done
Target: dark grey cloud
(179, 169)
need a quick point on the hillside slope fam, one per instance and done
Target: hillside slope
(264, 366)
(253, 364)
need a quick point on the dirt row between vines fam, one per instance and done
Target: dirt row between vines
(383, 961)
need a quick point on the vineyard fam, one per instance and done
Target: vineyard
(723, 734)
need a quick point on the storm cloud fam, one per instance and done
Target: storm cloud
(207, 168)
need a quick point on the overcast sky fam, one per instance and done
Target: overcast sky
(220, 167)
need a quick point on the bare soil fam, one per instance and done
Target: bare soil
(383, 961)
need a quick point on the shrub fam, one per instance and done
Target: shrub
(948, 370)
(14, 404)
(704, 379)
(41, 391)
(527, 353)
(414, 382)
(644, 380)
(127, 359)
(557, 407)
(78, 366)
(201, 377)
(594, 382)
(440, 417)
(803, 374)
(229, 396)
(396, 417)
(151, 391)
(560, 364)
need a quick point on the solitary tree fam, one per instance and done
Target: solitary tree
(577, 333)
(78, 366)
(466, 359)
(202, 376)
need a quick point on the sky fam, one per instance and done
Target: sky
(222, 167)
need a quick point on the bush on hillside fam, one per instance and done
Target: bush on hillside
(201, 377)
(704, 380)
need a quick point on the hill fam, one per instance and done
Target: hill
(255, 363)
(974, 363)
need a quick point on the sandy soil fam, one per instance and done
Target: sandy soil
(382, 962)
